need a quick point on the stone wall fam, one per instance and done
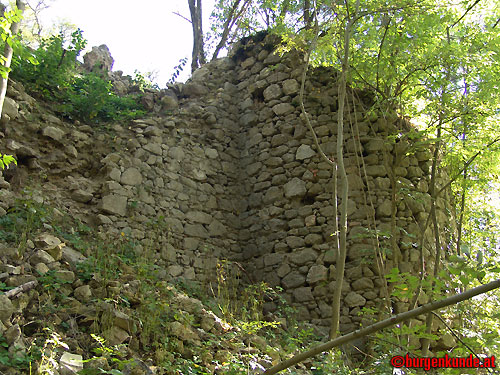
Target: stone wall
(227, 166)
(287, 219)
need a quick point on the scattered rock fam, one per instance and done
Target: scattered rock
(70, 364)
(41, 256)
(12, 334)
(72, 256)
(99, 59)
(10, 108)
(115, 335)
(54, 133)
(182, 332)
(6, 308)
(83, 293)
(50, 244)
(81, 196)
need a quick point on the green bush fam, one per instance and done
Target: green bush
(51, 73)
(91, 99)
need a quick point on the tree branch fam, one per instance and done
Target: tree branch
(180, 15)
(383, 324)
(452, 331)
(469, 162)
(467, 11)
(21, 289)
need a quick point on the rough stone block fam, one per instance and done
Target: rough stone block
(272, 92)
(302, 257)
(283, 109)
(131, 176)
(317, 273)
(290, 87)
(296, 188)
(114, 204)
(354, 299)
(304, 152)
(362, 284)
(293, 280)
(54, 133)
(303, 294)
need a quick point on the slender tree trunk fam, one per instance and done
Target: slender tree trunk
(198, 55)
(344, 185)
(307, 14)
(202, 59)
(437, 241)
(234, 15)
(284, 9)
(464, 182)
(8, 56)
(462, 210)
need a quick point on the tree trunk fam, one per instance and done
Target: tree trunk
(201, 56)
(198, 55)
(344, 185)
(8, 56)
(432, 191)
(234, 15)
(307, 14)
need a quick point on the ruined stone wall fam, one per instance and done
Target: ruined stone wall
(226, 163)
(287, 222)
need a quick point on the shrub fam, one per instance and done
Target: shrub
(91, 99)
(52, 73)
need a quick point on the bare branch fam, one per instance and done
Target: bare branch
(180, 15)
(466, 165)
(467, 11)
(21, 289)
(452, 331)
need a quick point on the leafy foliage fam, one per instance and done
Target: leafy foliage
(436, 63)
(144, 80)
(91, 99)
(23, 220)
(53, 74)
(6, 21)
(17, 359)
(5, 160)
(55, 67)
(178, 69)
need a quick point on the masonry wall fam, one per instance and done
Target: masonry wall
(225, 168)
(287, 219)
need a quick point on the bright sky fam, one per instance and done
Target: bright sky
(143, 35)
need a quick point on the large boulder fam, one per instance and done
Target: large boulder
(98, 60)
